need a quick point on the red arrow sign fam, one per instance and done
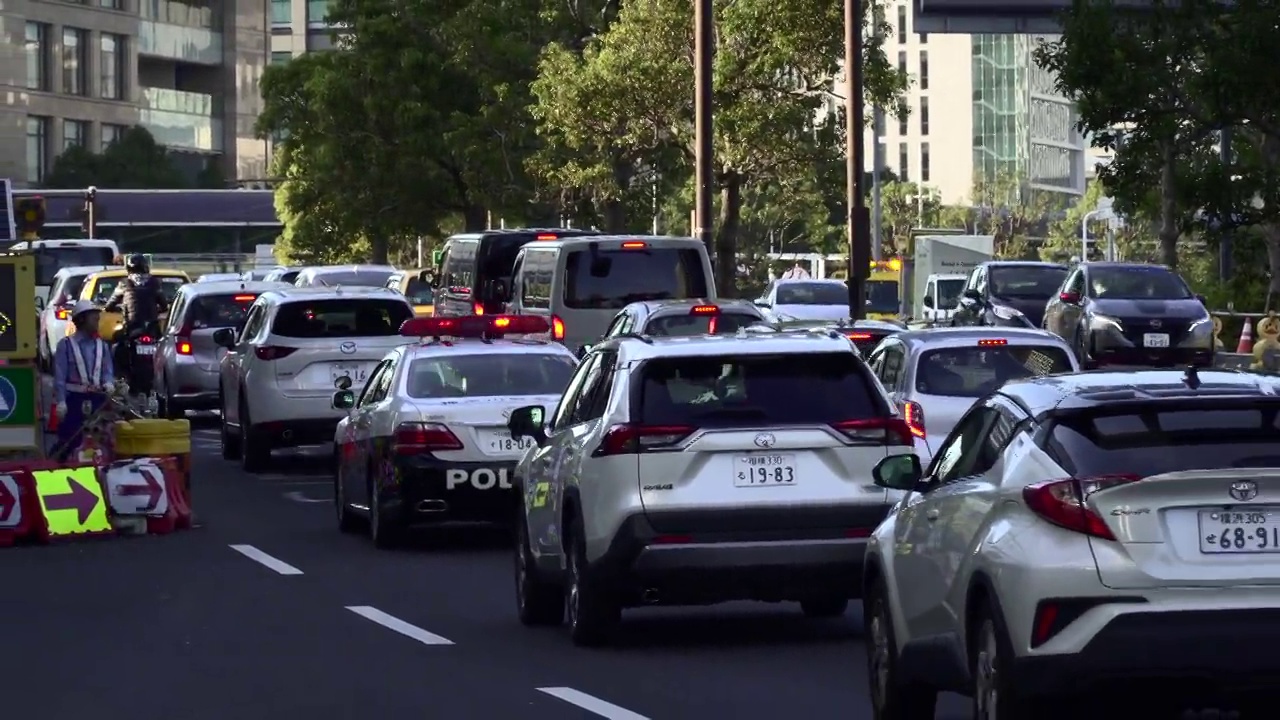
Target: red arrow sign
(153, 490)
(8, 502)
(80, 498)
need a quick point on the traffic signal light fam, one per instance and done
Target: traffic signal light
(28, 216)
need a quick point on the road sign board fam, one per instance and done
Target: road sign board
(17, 307)
(10, 502)
(71, 500)
(17, 396)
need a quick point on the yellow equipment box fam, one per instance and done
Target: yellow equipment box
(152, 438)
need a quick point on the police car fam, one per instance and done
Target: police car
(426, 439)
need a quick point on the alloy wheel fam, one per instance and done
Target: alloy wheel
(986, 693)
(879, 654)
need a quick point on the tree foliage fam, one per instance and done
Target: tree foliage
(134, 160)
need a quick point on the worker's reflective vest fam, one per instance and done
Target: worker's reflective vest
(77, 384)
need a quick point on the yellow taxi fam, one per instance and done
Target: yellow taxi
(99, 286)
(416, 286)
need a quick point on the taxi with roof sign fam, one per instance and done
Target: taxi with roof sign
(425, 439)
(675, 318)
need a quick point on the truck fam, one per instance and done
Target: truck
(938, 270)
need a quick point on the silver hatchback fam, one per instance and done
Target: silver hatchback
(187, 358)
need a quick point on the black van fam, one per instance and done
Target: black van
(475, 268)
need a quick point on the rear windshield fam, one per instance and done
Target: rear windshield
(362, 278)
(218, 311)
(680, 325)
(977, 371)
(813, 293)
(1153, 443)
(497, 256)
(756, 389)
(350, 317)
(617, 278)
(49, 260)
(882, 296)
(72, 289)
(169, 287)
(865, 340)
(489, 375)
(418, 292)
(1026, 281)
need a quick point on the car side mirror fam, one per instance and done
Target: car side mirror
(225, 337)
(1070, 298)
(344, 400)
(928, 301)
(528, 422)
(898, 472)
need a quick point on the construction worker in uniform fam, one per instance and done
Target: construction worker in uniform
(82, 372)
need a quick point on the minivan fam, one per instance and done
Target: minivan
(579, 284)
(474, 275)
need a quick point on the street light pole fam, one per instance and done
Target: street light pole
(703, 51)
(859, 221)
(1084, 234)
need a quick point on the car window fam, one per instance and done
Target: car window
(890, 373)
(51, 259)
(561, 418)
(963, 449)
(253, 323)
(978, 371)
(756, 389)
(354, 278)
(1026, 281)
(348, 317)
(418, 292)
(813, 293)
(488, 375)
(686, 325)
(612, 279)
(589, 405)
(369, 394)
(217, 311)
(615, 327)
(169, 287)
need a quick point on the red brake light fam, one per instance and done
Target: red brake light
(1062, 502)
(876, 431)
(146, 339)
(273, 352)
(414, 438)
(704, 310)
(858, 335)
(474, 326)
(914, 416)
(992, 342)
(545, 237)
(245, 298)
(63, 314)
(633, 439)
(557, 328)
(184, 346)
(634, 245)
(477, 308)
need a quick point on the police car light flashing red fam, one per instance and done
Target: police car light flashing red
(993, 342)
(475, 326)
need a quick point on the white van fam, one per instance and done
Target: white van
(53, 255)
(580, 283)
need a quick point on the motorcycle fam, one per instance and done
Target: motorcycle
(134, 352)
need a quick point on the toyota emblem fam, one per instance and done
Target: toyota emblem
(1243, 490)
(1157, 324)
(766, 440)
(347, 348)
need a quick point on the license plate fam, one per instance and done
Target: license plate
(501, 443)
(146, 349)
(358, 373)
(764, 470)
(1155, 340)
(1253, 530)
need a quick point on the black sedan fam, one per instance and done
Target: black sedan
(1131, 314)
(1008, 293)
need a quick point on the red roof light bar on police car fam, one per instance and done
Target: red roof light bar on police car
(474, 326)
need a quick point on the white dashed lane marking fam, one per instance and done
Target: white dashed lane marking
(266, 560)
(393, 623)
(591, 703)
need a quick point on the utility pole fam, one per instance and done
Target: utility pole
(859, 221)
(704, 52)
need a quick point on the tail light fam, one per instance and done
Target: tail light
(858, 336)
(62, 314)
(273, 352)
(633, 439)
(876, 431)
(914, 415)
(146, 340)
(557, 328)
(1062, 502)
(183, 344)
(477, 308)
(415, 438)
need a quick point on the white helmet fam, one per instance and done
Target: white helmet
(82, 307)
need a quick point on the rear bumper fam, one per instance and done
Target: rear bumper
(1191, 657)
(191, 385)
(431, 491)
(268, 405)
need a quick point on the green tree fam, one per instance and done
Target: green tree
(905, 206)
(134, 160)
(1015, 214)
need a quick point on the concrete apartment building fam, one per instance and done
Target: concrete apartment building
(298, 26)
(979, 107)
(78, 72)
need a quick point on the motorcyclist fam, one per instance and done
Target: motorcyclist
(82, 371)
(140, 297)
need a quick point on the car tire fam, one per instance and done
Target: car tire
(995, 695)
(255, 455)
(593, 612)
(346, 519)
(385, 534)
(230, 440)
(539, 602)
(824, 607)
(891, 697)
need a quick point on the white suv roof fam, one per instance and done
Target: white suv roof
(743, 343)
(289, 292)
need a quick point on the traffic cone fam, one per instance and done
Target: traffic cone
(1246, 338)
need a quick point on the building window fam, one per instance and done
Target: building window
(75, 61)
(111, 65)
(317, 11)
(75, 133)
(904, 161)
(924, 115)
(111, 4)
(37, 148)
(924, 70)
(280, 58)
(924, 162)
(111, 133)
(902, 121)
(924, 38)
(281, 12)
(902, 24)
(902, 63)
(319, 40)
(37, 49)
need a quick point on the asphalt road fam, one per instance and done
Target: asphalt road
(267, 611)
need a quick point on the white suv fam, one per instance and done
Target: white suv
(278, 375)
(696, 470)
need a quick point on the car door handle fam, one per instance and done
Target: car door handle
(931, 515)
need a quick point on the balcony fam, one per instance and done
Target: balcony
(178, 42)
(180, 119)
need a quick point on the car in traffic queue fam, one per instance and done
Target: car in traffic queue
(260, 274)
(55, 312)
(187, 359)
(1086, 537)
(417, 285)
(934, 376)
(672, 318)
(865, 334)
(276, 378)
(805, 299)
(1116, 313)
(344, 275)
(53, 255)
(286, 275)
(1008, 293)
(99, 287)
(219, 277)
(698, 470)
(426, 440)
